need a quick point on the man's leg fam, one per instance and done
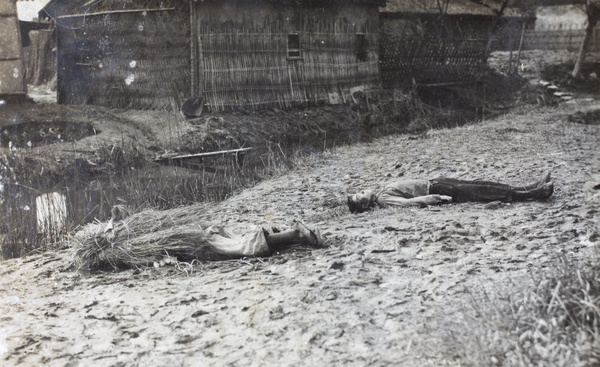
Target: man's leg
(300, 235)
(463, 191)
(540, 190)
(281, 240)
(544, 180)
(485, 191)
(539, 193)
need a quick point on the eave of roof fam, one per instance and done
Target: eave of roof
(57, 8)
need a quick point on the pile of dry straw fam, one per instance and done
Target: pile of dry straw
(143, 239)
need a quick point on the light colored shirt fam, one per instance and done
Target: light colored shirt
(396, 193)
(224, 242)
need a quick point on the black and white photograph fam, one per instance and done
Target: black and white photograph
(300, 183)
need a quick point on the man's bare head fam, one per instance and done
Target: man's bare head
(361, 201)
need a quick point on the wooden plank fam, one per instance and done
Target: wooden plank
(206, 154)
(113, 12)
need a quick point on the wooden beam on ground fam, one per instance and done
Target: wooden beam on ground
(112, 12)
(203, 155)
(449, 84)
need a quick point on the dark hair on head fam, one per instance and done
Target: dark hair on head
(356, 208)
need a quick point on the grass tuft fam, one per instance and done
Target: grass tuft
(556, 322)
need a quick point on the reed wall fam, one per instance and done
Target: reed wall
(233, 54)
(419, 53)
(244, 60)
(138, 59)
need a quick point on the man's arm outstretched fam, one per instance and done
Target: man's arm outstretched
(389, 200)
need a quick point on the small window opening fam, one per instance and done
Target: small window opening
(361, 47)
(294, 51)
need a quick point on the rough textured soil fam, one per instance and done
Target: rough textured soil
(393, 286)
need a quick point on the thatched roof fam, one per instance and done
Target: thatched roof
(454, 7)
(61, 7)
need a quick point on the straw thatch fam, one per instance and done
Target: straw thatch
(145, 238)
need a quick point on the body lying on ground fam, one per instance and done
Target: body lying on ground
(444, 190)
(149, 236)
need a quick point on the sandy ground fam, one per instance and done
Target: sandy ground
(392, 287)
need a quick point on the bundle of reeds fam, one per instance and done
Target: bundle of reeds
(143, 239)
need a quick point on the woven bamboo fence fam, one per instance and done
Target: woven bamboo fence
(330, 57)
(121, 56)
(429, 59)
(248, 66)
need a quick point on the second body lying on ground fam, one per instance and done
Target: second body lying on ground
(445, 190)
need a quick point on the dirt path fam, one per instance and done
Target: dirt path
(393, 287)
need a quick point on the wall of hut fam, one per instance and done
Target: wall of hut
(231, 54)
(121, 54)
(253, 56)
(39, 56)
(12, 70)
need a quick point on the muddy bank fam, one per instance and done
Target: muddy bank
(100, 159)
(394, 286)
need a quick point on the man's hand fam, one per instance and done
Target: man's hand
(417, 201)
(445, 199)
(436, 199)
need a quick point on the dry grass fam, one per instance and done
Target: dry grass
(143, 239)
(120, 181)
(122, 175)
(555, 322)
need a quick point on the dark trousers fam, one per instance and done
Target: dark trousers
(467, 191)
